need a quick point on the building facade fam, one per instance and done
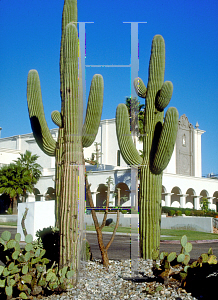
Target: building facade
(183, 185)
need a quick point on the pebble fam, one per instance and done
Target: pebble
(97, 282)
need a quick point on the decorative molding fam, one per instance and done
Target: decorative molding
(184, 122)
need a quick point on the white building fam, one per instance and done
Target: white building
(183, 185)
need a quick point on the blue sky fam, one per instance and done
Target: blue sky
(30, 33)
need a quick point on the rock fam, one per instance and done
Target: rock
(108, 222)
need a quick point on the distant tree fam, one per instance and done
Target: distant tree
(28, 161)
(18, 178)
(205, 205)
(14, 181)
(94, 160)
(136, 114)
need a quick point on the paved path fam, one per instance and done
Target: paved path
(120, 248)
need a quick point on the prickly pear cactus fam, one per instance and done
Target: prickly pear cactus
(27, 272)
(72, 137)
(158, 143)
(170, 267)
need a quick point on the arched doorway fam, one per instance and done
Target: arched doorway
(175, 198)
(50, 194)
(36, 193)
(215, 200)
(101, 195)
(204, 193)
(190, 198)
(124, 193)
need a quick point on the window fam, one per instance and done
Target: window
(184, 140)
(118, 158)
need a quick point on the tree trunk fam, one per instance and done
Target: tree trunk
(103, 249)
(14, 205)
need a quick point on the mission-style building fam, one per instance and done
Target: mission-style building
(182, 186)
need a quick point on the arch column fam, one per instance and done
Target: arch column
(167, 198)
(30, 198)
(183, 200)
(94, 197)
(111, 199)
(197, 202)
(210, 199)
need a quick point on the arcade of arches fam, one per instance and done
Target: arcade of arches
(99, 197)
(48, 195)
(189, 199)
(172, 197)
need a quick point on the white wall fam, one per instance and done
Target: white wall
(8, 155)
(171, 168)
(39, 215)
(197, 152)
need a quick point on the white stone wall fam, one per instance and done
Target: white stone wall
(8, 155)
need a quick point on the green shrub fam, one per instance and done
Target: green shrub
(125, 211)
(9, 211)
(129, 211)
(178, 213)
(172, 212)
(199, 213)
(166, 209)
(211, 213)
(187, 212)
(190, 212)
(50, 239)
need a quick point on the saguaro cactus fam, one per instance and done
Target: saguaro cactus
(73, 135)
(158, 143)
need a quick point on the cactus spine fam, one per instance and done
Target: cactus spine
(158, 143)
(73, 135)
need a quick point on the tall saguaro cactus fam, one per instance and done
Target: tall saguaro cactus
(73, 135)
(158, 143)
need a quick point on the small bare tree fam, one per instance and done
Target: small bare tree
(94, 160)
(98, 228)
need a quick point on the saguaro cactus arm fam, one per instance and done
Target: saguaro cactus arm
(166, 142)
(37, 117)
(126, 145)
(140, 87)
(93, 111)
(57, 118)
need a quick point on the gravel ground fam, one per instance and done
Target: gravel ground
(96, 282)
